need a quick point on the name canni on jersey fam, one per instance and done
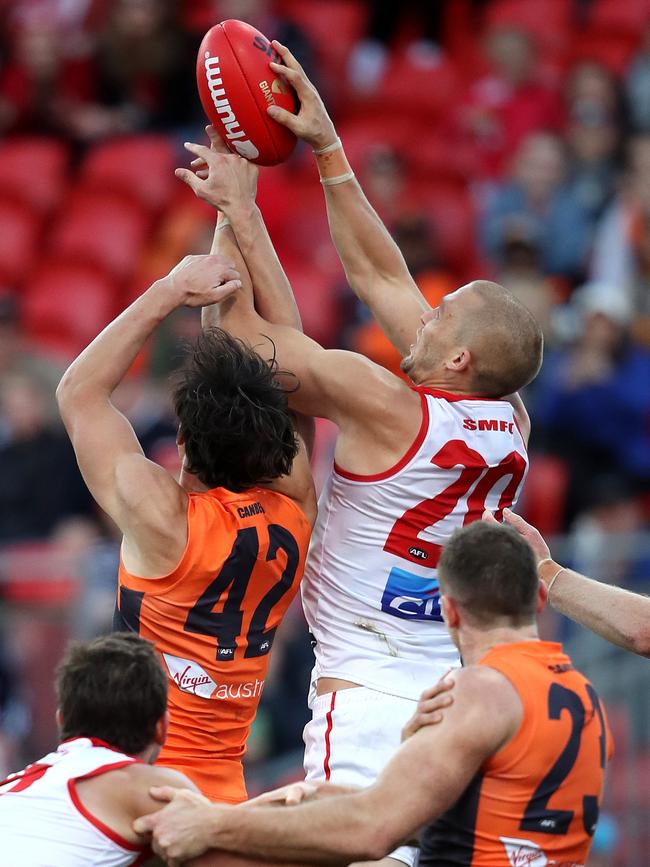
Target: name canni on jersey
(190, 677)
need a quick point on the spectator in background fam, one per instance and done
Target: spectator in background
(39, 80)
(144, 68)
(593, 399)
(519, 271)
(264, 15)
(637, 86)
(41, 485)
(592, 138)
(622, 242)
(605, 537)
(509, 103)
(14, 715)
(385, 178)
(16, 356)
(536, 200)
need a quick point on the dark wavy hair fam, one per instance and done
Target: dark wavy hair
(233, 413)
(112, 688)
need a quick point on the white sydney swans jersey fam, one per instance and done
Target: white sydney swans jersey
(370, 590)
(44, 824)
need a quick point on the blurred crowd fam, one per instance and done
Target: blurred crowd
(508, 139)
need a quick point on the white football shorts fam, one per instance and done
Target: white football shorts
(352, 735)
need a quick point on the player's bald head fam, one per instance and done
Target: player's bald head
(504, 338)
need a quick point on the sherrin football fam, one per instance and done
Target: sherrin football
(236, 86)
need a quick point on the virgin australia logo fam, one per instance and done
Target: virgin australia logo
(190, 677)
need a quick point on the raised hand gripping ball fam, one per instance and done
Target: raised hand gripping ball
(236, 86)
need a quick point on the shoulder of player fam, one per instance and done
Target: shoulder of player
(139, 777)
(362, 380)
(476, 688)
(148, 491)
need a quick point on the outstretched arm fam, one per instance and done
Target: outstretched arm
(373, 263)
(273, 298)
(272, 293)
(425, 777)
(617, 615)
(110, 458)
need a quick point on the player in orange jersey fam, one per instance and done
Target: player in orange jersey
(209, 563)
(512, 775)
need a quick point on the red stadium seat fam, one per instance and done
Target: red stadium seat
(451, 212)
(544, 495)
(332, 26)
(19, 236)
(614, 49)
(613, 15)
(66, 304)
(316, 297)
(549, 22)
(106, 229)
(34, 170)
(138, 166)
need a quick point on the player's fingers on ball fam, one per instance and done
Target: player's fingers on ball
(216, 142)
(286, 55)
(292, 75)
(286, 118)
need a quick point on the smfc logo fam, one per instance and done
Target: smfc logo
(411, 597)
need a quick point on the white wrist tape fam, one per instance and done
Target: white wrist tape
(337, 179)
(336, 145)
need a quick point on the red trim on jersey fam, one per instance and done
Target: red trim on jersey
(96, 742)
(415, 445)
(101, 827)
(328, 733)
(451, 397)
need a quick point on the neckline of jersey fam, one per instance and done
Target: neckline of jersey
(96, 742)
(454, 397)
(535, 644)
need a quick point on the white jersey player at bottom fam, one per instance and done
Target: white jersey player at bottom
(370, 590)
(43, 822)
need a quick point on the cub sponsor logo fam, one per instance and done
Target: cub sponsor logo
(411, 597)
(190, 677)
(234, 132)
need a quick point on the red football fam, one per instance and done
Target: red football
(236, 86)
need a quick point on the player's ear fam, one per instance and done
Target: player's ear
(542, 596)
(460, 359)
(162, 726)
(449, 611)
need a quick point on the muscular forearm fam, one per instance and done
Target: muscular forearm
(105, 362)
(274, 300)
(611, 612)
(336, 830)
(373, 262)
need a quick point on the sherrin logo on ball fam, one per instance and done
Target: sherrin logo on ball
(236, 86)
